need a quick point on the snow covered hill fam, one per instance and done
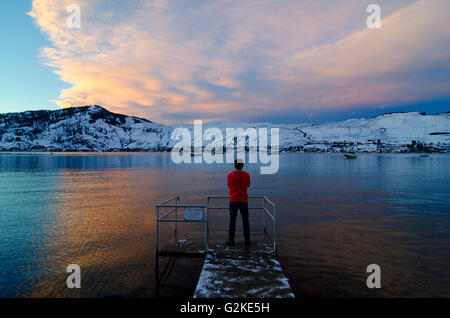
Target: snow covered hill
(89, 128)
(93, 128)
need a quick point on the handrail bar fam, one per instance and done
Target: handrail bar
(184, 206)
(226, 208)
(267, 211)
(166, 214)
(167, 201)
(273, 204)
(226, 197)
(182, 220)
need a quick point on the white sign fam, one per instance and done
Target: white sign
(193, 214)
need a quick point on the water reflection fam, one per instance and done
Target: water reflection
(335, 218)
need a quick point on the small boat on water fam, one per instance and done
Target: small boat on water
(350, 153)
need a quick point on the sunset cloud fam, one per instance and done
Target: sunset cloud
(171, 60)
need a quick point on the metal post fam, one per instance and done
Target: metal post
(275, 229)
(157, 280)
(177, 202)
(157, 228)
(264, 215)
(207, 226)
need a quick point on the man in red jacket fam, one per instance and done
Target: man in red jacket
(238, 182)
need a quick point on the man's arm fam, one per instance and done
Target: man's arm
(248, 185)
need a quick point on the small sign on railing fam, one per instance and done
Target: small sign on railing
(193, 214)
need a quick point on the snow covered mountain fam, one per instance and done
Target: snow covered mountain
(89, 128)
(93, 128)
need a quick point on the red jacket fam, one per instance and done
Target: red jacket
(238, 181)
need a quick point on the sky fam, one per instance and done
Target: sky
(281, 61)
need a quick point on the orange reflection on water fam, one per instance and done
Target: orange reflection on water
(104, 222)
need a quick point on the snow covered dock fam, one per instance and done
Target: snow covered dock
(241, 273)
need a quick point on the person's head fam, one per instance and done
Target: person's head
(238, 164)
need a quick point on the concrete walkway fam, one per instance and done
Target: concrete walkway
(242, 273)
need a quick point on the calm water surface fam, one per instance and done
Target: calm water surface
(335, 217)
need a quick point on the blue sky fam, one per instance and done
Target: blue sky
(25, 83)
(279, 61)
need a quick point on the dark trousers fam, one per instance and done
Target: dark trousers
(243, 207)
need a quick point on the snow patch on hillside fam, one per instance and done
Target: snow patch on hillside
(93, 128)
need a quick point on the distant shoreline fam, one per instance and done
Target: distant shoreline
(95, 129)
(3, 152)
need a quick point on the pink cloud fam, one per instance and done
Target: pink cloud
(168, 59)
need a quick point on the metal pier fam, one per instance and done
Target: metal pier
(228, 272)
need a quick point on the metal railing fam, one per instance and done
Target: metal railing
(174, 209)
(265, 203)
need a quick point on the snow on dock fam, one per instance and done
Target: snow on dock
(241, 273)
(183, 247)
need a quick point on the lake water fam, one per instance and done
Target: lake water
(336, 217)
